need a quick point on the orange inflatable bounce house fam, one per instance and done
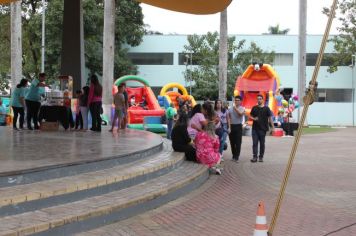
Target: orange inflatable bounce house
(258, 79)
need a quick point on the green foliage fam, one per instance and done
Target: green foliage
(204, 72)
(276, 30)
(345, 42)
(129, 31)
(5, 38)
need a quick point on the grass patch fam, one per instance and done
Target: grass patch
(317, 130)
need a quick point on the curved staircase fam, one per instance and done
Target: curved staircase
(67, 199)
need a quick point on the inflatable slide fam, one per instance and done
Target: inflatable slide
(145, 101)
(258, 79)
(166, 97)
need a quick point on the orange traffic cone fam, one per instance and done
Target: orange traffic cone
(261, 227)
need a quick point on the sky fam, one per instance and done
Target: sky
(244, 17)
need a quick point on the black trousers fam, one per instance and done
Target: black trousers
(33, 109)
(95, 109)
(18, 111)
(235, 137)
(78, 121)
(258, 136)
(188, 150)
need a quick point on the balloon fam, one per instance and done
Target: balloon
(296, 104)
(290, 109)
(295, 98)
(284, 103)
(291, 101)
(279, 99)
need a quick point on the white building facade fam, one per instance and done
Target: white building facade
(160, 60)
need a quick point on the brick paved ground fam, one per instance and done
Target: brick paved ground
(320, 197)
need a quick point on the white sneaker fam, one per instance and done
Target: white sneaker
(217, 171)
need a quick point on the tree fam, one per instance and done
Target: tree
(344, 43)
(223, 56)
(276, 30)
(128, 14)
(5, 38)
(205, 51)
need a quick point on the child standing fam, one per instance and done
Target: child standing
(170, 114)
(120, 106)
(78, 114)
(83, 106)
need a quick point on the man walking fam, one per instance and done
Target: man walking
(236, 114)
(261, 115)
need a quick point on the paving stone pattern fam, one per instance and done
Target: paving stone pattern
(319, 201)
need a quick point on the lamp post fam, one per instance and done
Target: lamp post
(186, 68)
(190, 74)
(189, 61)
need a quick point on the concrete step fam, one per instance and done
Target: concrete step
(34, 196)
(93, 212)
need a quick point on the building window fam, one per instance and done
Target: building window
(320, 95)
(283, 59)
(327, 59)
(150, 58)
(333, 95)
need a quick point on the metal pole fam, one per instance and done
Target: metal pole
(43, 35)
(186, 76)
(190, 74)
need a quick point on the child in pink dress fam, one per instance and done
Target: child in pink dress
(207, 147)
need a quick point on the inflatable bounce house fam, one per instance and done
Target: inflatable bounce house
(166, 97)
(146, 104)
(258, 79)
(6, 102)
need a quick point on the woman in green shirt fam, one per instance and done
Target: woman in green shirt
(18, 103)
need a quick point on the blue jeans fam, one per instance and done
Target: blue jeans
(222, 137)
(169, 128)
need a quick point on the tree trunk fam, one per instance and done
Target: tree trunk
(108, 54)
(16, 44)
(223, 56)
(302, 54)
